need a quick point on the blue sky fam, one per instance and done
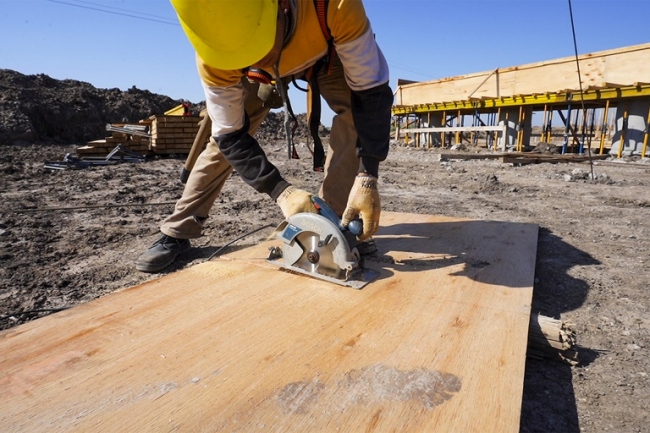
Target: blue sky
(139, 42)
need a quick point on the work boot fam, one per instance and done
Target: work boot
(367, 247)
(162, 254)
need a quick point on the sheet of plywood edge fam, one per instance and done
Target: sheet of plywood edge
(437, 342)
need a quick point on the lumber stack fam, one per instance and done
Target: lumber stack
(173, 134)
(167, 133)
(104, 146)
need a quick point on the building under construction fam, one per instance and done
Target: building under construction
(607, 109)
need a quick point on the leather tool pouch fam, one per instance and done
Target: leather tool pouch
(269, 95)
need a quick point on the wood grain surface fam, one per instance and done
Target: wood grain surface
(437, 343)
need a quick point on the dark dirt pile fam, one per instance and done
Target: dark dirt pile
(37, 108)
(592, 253)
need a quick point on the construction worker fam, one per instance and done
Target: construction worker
(283, 38)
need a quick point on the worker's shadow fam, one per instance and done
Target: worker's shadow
(549, 401)
(470, 249)
(490, 252)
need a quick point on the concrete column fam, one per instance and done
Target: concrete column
(436, 122)
(508, 116)
(634, 134)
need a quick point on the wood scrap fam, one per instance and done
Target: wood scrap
(554, 339)
(136, 142)
(468, 156)
(528, 158)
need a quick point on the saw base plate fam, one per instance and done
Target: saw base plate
(363, 277)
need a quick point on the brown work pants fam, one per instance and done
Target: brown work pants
(212, 170)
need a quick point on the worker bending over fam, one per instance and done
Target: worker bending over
(283, 38)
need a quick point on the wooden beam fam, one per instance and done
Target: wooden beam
(455, 129)
(611, 68)
(535, 159)
(238, 345)
(468, 156)
(403, 82)
(613, 85)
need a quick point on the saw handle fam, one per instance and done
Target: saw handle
(355, 226)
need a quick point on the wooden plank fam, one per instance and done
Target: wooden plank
(468, 156)
(166, 151)
(164, 120)
(175, 134)
(438, 342)
(551, 158)
(519, 156)
(500, 128)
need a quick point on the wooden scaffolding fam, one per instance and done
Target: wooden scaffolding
(498, 106)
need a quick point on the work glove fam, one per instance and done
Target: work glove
(364, 201)
(293, 201)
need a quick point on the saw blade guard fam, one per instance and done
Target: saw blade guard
(314, 243)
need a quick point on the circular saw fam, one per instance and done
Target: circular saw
(319, 246)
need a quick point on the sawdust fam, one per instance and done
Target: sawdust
(377, 383)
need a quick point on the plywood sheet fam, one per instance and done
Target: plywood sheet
(437, 343)
(624, 66)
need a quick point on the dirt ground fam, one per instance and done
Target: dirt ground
(592, 258)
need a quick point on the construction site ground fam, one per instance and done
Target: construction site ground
(592, 258)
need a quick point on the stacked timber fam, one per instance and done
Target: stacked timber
(159, 134)
(173, 134)
(552, 339)
(130, 136)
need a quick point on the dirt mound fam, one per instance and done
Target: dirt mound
(272, 128)
(38, 108)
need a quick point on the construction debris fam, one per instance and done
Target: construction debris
(521, 157)
(531, 158)
(553, 339)
(117, 155)
(138, 130)
(134, 137)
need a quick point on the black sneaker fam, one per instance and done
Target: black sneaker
(162, 254)
(367, 247)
